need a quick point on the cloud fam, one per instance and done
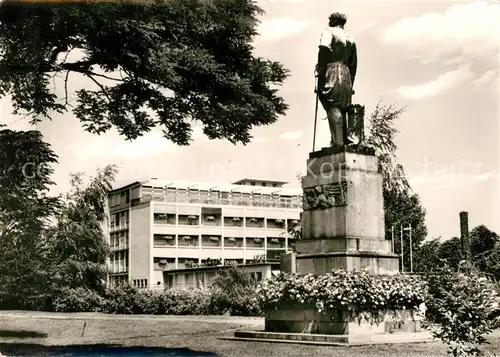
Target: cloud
(280, 28)
(486, 77)
(258, 140)
(366, 26)
(150, 144)
(451, 180)
(291, 135)
(463, 32)
(444, 82)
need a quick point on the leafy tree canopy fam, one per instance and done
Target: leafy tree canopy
(482, 243)
(25, 208)
(152, 65)
(77, 244)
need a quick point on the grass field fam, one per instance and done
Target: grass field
(24, 332)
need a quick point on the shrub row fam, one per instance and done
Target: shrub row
(129, 300)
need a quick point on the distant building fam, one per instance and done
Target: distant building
(203, 276)
(160, 225)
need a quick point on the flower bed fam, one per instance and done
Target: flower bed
(360, 295)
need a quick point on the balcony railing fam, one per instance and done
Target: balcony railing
(234, 201)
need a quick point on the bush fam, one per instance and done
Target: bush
(186, 301)
(149, 302)
(461, 308)
(78, 300)
(122, 300)
(245, 303)
(233, 293)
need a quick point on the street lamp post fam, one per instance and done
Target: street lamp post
(402, 252)
(411, 248)
(392, 238)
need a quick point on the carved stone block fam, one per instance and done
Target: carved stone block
(325, 196)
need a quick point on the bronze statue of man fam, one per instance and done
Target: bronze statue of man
(336, 69)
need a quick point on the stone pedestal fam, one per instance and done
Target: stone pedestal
(343, 218)
(342, 228)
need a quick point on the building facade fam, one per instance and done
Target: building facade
(160, 225)
(204, 276)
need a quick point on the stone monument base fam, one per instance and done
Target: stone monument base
(332, 340)
(324, 263)
(303, 324)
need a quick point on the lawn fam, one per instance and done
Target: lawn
(21, 333)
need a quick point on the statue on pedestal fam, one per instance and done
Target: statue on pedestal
(335, 71)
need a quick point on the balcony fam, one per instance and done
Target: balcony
(164, 218)
(211, 220)
(164, 240)
(254, 243)
(254, 222)
(211, 241)
(188, 220)
(162, 264)
(188, 241)
(275, 223)
(276, 242)
(233, 221)
(233, 242)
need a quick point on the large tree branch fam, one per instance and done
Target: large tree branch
(99, 85)
(80, 67)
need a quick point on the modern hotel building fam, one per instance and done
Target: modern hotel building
(159, 225)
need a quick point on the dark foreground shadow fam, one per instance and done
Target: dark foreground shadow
(22, 334)
(36, 350)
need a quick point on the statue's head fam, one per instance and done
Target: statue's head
(337, 19)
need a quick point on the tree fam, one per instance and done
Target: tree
(461, 308)
(482, 243)
(25, 210)
(403, 208)
(427, 256)
(450, 253)
(148, 65)
(77, 244)
(381, 136)
(493, 263)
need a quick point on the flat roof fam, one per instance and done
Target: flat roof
(214, 186)
(272, 264)
(259, 180)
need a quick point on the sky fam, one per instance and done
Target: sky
(439, 60)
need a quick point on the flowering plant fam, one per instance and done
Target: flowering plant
(360, 295)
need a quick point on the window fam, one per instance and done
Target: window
(127, 196)
(259, 276)
(252, 183)
(274, 184)
(264, 184)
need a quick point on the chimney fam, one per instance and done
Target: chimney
(464, 235)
